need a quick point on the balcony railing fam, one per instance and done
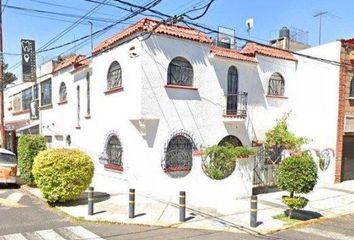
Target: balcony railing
(236, 105)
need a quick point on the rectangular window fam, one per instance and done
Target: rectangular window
(88, 110)
(16, 103)
(35, 91)
(59, 138)
(78, 106)
(48, 139)
(349, 124)
(46, 92)
(26, 98)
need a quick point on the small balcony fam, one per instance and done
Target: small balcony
(236, 106)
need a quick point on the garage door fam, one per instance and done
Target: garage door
(348, 158)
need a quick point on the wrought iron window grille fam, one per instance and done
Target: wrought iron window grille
(180, 72)
(237, 104)
(276, 85)
(114, 76)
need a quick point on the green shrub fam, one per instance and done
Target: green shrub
(297, 174)
(295, 203)
(222, 160)
(28, 147)
(62, 174)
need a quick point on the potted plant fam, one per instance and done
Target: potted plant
(219, 161)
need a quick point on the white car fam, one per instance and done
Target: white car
(8, 166)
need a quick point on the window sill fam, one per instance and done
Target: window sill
(48, 106)
(181, 87)
(21, 112)
(177, 169)
(235, 115)
(197, 153)
(350, 98)
(62, 102)
(115, 167)
(276, 96)
(87, 116)
(113, 90)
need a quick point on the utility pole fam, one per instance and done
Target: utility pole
(91, 26)
(320, 14)
(2, 85)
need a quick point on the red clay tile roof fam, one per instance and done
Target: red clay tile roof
(145, 25)
(350, 41)
(251, 49)
(75, 60)
(230, 53)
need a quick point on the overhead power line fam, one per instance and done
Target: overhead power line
(237, 38)
(3, 8)
(68, 15)
(134, 13)
(197, 25)
(70, 7)
(72, 26)
(98, 33)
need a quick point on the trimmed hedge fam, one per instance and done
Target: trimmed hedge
(297, 174)
(295, 203)
(62, 174)
(28, 147)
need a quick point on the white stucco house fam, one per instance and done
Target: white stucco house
(145, 105)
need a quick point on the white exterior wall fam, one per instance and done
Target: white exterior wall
(198, 112)
(51, 123)
(264, 111)
(314, 101)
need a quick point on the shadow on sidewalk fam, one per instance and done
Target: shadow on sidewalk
(304, 215)
(83, 200)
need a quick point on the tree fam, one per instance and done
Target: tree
(297, 174)
(28, 147)
(9, 77)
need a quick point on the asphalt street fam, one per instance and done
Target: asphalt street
(24, 217)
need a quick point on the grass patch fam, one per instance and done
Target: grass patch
(286, 219)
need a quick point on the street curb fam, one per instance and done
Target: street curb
(252, 231)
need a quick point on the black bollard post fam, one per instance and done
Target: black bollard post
(90, 201)
(253, 220)
(131, 202)
(182, 206)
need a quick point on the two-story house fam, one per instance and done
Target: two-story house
(146, 103)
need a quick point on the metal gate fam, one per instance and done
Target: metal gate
(265, 166)
(348, 158)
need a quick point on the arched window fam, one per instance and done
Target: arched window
(114, 151)
(62, 93)
(180, 72)
(114, 76)
(232, 89)
(276, 85)
(178, 156)
(351, 92)
(232, 140)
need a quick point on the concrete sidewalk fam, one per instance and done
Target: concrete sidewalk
(332, 201)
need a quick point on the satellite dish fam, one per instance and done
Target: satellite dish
(249, 24)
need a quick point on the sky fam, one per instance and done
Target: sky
(269, 16)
